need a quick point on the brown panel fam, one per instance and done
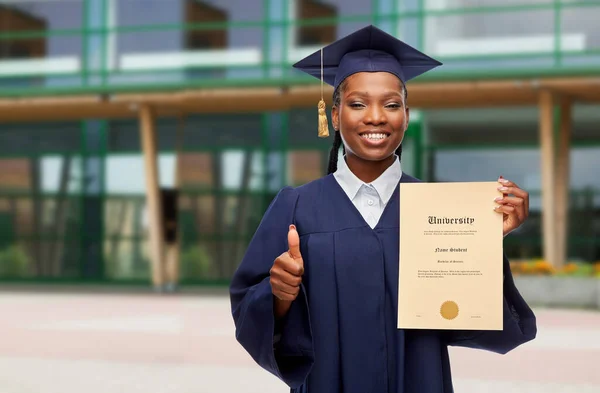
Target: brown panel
(198, 12)
(315, 35)
(15, 20)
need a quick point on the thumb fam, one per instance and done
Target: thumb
(294, 243)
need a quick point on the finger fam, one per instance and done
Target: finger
(506, 182)
(279, 285)
(524, 212)
(284, 296)
(516, 191)
(291, 266)
(515, 201)
(506, 209)
(294, 243)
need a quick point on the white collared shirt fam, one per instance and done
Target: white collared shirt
(369, 199)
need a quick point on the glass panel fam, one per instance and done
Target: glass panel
(125, 217)
(450, 4)
(242, 170)
(156, 12)
(23, 60)
(197, 214)
(487, 165)
(306, 166)
(126, 259)
(196, 170)
(303, 129)
(125, 173)
(305, 38)
(60, 216)
(219, 52)
(197, 132)
(580, 28)
(26, 139)
(15, 174)
(61, 174)
(498, 33)
(584, 170)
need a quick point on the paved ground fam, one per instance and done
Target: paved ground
(108, 343)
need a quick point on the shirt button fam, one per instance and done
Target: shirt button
(370, 202)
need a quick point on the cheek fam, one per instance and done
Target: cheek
(350, 119)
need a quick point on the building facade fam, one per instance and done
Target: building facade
(73, 179)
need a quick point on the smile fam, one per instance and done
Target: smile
(374, 136)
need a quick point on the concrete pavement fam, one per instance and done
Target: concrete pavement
(103, 342)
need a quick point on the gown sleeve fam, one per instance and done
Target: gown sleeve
(283, 347)
(519, 323)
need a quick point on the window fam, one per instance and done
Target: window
(14, 20)
(315, 35)
(198, 12)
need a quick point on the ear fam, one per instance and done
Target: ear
(406, 118)
(335, 119)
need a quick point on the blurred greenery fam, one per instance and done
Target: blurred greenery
(14, 262)
(195, 263)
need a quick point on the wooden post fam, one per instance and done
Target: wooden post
(153, 197)
(562, 182)
(548, 165)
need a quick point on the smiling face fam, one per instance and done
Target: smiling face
(372, 117)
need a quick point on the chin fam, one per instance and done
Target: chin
(375, 156)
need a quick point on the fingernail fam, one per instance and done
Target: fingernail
(292, 227)
(504, 181)
(502, 189)
(499, 199)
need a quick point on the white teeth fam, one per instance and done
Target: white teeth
(374, 136)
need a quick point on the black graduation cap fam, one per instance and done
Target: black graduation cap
(366, 50)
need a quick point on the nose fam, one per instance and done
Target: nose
(375, 115)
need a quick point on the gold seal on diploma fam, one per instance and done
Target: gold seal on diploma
(449, 310)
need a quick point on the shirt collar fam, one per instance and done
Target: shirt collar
(384, 184)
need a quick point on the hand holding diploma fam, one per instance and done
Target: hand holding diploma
(515, 208)
(286, 275)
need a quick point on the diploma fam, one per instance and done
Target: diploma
(451, 256)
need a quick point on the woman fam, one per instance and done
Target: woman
(315, 298)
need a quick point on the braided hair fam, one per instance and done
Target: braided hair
(337, 140)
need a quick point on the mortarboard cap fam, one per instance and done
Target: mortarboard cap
(366, 50)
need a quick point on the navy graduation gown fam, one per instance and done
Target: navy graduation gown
(340, 334)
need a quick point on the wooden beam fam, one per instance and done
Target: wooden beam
(562, 181)
(430, 95)
(153, 197)
(547, 164)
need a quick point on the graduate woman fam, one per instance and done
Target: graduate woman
(314, 299)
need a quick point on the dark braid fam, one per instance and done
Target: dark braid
(333, 154)
(337, 140)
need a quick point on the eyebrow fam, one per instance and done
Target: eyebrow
(366, 94)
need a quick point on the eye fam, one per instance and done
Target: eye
(357, 105)
(393, 105)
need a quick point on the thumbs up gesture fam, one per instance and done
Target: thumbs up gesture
(286, 274)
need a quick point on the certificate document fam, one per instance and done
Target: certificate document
(451, 256)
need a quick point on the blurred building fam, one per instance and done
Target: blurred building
(85, 84)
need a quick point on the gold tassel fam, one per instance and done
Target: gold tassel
(323, 123)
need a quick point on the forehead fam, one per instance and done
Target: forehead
(372, 81)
